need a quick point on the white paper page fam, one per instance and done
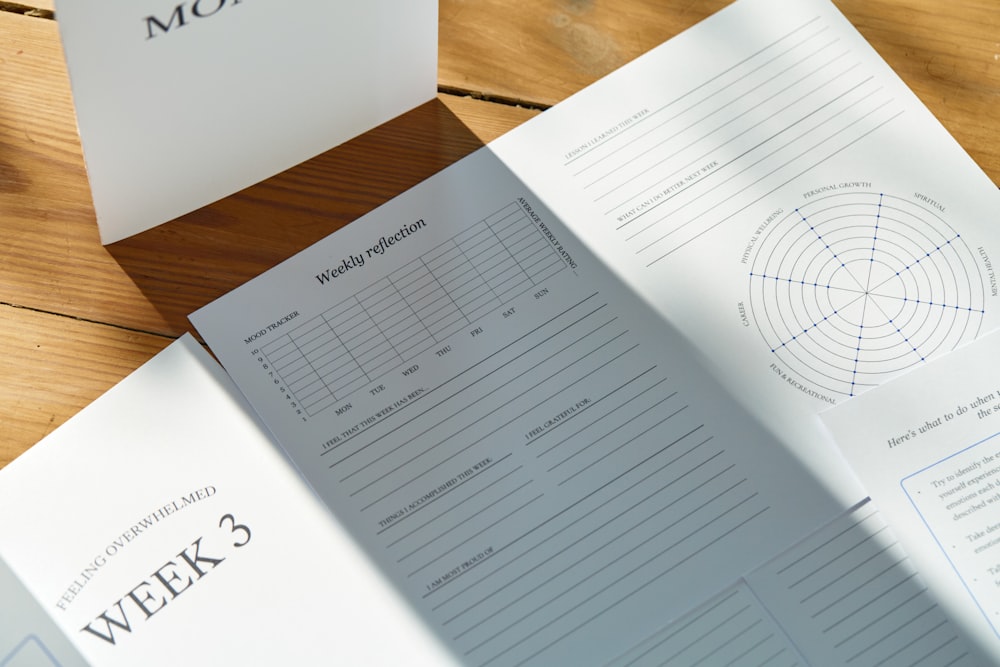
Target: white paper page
(530, 453)
(851, 594)
(732, 629)
(162, 526)
(926, 446)
(847, 595)
(28, 637)
(180, 104)
(770, 186)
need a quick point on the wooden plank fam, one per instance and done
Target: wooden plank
(542, 52)
(49, 249)
(186, 263)
(485, 120)
(949, 54)
(40, 8)
(53, 366)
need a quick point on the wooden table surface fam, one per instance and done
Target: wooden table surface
(76, 317)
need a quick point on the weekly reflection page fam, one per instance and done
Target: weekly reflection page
(532, 454)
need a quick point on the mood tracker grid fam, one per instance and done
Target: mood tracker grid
(412, 309)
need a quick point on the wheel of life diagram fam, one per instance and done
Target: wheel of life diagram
(852, 287)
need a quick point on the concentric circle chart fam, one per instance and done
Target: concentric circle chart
(853, 287)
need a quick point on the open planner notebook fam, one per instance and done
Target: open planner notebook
(564, 395)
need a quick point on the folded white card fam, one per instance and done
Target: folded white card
(182, 102)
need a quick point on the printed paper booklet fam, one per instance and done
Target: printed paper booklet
(565, 394)
(568, 390)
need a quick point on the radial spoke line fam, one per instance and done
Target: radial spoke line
(814, 325)
(826, 245)
(928, 255)
(857, 350)
(872, 285)
(891, 321)
(871, 260)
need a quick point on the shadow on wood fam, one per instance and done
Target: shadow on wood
(186, 263)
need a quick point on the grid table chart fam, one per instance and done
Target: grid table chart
(412, 309)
